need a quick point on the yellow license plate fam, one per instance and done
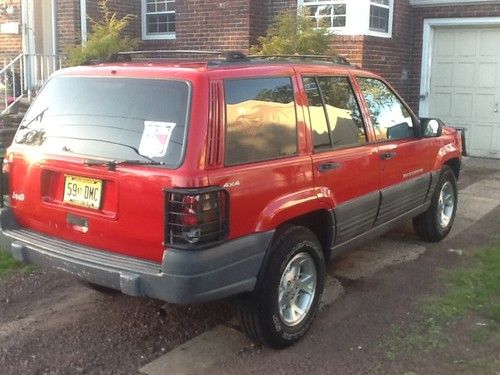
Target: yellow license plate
(83, 191)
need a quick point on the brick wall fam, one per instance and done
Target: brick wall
(419, 14)
(390, 57)
(68, 25)
(259, 14)
(122, 8)
(209, 24)
(350, 47)
(11, 44)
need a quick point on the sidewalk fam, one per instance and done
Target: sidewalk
(473, 162)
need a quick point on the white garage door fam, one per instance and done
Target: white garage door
(465, 85)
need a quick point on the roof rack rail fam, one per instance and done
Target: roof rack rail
(337, 59)
(226, 55)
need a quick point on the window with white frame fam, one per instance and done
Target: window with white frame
(158, 19)
(352, 17)
(327, 13)
(379, 15)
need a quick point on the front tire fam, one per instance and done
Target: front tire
(435, 223)
(287, 297)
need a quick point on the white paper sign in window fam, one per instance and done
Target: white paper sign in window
(155, 139)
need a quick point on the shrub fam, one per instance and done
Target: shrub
(294, 33)
(105, 37)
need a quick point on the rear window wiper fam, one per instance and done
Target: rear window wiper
(38, 117)
(111, 164)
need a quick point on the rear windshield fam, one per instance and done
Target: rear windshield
(110, 118)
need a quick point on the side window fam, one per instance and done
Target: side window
(320, 131)
(334, 112)
(260, 119)
(344, 116)
(390, 118)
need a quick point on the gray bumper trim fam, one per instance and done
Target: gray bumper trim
(185, 276)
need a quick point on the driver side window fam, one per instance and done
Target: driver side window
(390, 119)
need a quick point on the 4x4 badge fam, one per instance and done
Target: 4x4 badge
(231, 184)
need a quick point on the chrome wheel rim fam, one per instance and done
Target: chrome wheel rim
(446, 204)
(297, 289)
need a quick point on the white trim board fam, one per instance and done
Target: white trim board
(430, 24)
(430, 3)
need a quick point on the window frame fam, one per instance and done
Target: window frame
(357, 17)
(225, 127)
(358, 101)
(302, 3)
(144, 19)
(368, 119)
(390, 7)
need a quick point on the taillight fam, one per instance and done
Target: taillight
(195, 217)
(4, 181)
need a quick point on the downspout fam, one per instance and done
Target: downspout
(55, 30)
(83, 20)
(25, 25)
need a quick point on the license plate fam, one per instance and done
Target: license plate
(83, 191)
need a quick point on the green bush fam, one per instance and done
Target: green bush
(105, 38)
(294, 33)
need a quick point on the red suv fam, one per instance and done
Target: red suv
(189, 181)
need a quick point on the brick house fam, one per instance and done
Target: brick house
(443, 56)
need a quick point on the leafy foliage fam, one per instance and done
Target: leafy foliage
(9, 264)
(294, 33)
(105, 38)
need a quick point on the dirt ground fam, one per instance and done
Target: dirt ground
(51, 324)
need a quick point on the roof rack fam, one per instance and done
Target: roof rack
(229, 56)
(337, 59)
(218, 57)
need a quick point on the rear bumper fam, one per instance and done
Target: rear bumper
(183, 276)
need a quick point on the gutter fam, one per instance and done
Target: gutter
(83, 21)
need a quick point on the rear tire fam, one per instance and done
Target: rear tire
(435, 223)
(283, 306)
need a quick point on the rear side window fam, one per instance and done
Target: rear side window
(334, 113)
(260, 119)
(110, 118)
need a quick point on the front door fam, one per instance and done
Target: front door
(406, 160)
(39, 40)
(345, 165)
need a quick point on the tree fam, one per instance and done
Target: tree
(294, 33)
(105, 37)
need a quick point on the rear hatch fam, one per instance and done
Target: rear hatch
(92, 158)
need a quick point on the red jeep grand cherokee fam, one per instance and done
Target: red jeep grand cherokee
(190, 181)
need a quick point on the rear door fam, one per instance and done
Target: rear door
(405, 158)
(264, 167)
(345, 164)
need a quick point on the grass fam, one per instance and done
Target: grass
(472, 289)
(9, 264)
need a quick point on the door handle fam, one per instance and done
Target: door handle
(388, 155)
(325, 167)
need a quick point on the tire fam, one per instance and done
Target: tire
(296, 255)
(435, 223)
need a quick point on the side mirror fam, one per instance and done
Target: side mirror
(431, 127)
